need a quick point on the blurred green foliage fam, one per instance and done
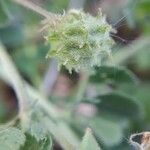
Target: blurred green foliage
(139, 11)
(122, 97)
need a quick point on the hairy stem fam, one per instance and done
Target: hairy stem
(24, 91)
(15, 80)
(37, 9)
(27, 94)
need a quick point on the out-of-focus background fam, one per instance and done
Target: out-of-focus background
(20, 34)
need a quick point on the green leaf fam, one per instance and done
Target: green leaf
(120, 105)
(143, 94)
(108, 132)
(36, 127)
(112, 74)
(11, 139)
(36, 131)
(89, 142)
(32, 144)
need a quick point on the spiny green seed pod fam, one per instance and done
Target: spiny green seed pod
(80, 41)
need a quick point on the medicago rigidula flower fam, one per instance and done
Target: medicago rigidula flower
(80, 41)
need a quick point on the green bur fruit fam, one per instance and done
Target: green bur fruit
(80, 41)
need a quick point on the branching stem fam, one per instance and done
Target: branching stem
(15, 79)
(36, 8)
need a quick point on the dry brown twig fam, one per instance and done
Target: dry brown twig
(143, 143)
